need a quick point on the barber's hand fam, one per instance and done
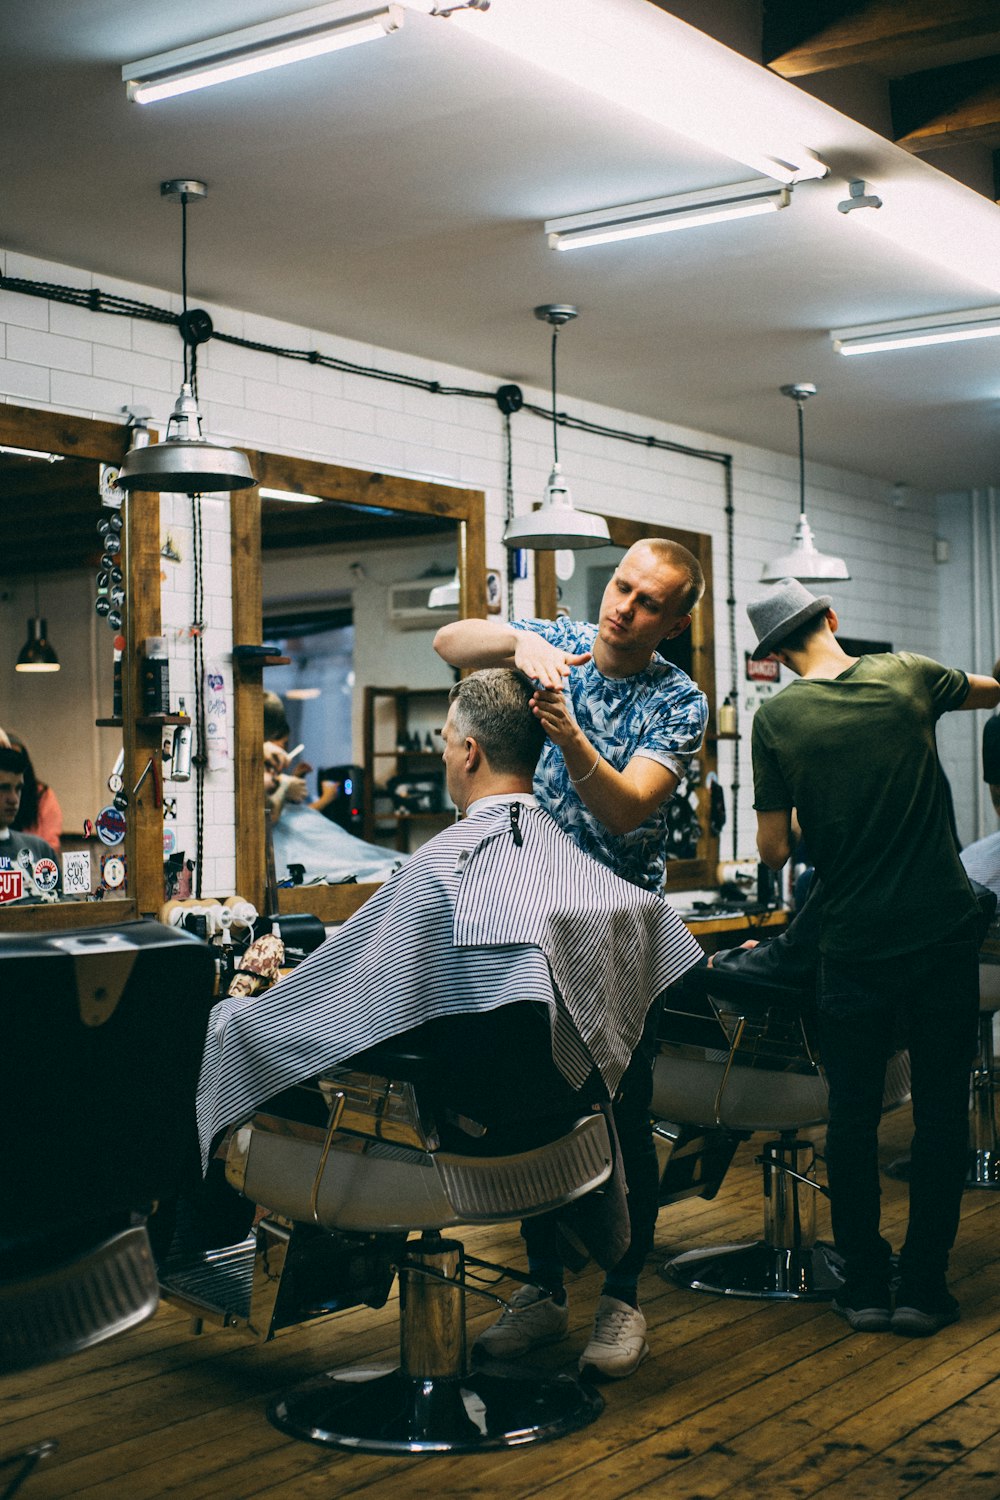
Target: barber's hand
(543, 662)
(296, 789)
(556, 716)
(275, 757)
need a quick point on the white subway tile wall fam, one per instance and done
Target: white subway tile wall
(93, 364)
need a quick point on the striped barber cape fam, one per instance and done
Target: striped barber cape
(499, 908)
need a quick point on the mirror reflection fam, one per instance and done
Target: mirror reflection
(57, 813)
(356, 705)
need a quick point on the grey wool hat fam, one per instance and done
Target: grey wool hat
(783, 609)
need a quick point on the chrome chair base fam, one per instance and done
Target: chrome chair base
(760, 1271)
(984, 1170)
(378, 1411)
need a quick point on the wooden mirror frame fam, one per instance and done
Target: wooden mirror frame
(355, 487)
(107, 442)
(682, 874)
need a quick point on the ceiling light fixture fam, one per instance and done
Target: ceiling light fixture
(290, 496)
(804, 562)
(272, 44)
(185, 462)
(630, 221)
(556, 524)
(50, 458)
(916, 333)
(257, 49)
(37, 653)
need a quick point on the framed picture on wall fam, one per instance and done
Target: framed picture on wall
(494, 591)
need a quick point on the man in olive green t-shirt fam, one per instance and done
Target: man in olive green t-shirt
(850, 747)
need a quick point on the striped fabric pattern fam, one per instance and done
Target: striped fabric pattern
(472, 922)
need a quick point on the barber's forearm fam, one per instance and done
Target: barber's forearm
(477, 643)
(610, 795)
(984, 692)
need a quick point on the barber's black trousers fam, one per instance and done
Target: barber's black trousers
(929, 1002)
(638, 1155)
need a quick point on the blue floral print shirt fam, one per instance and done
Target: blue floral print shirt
(658, 713)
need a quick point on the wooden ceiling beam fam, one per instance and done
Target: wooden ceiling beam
(948, 107)
(803, 39)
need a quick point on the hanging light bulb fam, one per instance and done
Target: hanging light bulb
(805, 562)
(37, 653)
(446, 595)
(185, 462)
(557, 524)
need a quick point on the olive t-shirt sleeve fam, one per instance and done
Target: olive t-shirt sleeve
(771, 793)
(948, 687)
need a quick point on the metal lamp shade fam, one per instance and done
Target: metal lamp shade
(557, 524)
(805, 562)
(446, 595)
(185, 462)
(37, 655)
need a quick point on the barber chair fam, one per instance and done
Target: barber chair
(353, 1165)
(984, 1161)
(734, 1060)
(103, 1031)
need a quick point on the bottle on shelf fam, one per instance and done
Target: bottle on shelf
(180, 767)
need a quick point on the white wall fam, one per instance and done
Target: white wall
(52, 355)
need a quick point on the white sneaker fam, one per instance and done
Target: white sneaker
(529, 1320)
(618, 1345)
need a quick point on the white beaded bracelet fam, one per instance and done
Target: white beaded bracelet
(579, 780)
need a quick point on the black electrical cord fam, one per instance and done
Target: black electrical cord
(199, 756)
(555, 424)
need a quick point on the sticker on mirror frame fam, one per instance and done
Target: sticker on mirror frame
(107, 486)
(110, 825)
(76, 872)
(169, 841)
(113, 871)
(11, 881)
(45, 874)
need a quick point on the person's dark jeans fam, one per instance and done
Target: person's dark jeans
(638, 1157)
(927, 1001)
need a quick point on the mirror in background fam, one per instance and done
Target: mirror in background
(51, 557)
(346, 591)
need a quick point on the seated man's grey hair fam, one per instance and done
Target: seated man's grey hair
(494, 707)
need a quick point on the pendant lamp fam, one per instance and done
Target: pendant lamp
(446, 595)
(804, 562)
(556, 525)
(185, 462)
(37, 654)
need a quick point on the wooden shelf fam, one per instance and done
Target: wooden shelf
(410, 754)
(253, 659)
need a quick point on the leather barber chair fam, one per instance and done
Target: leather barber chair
(736, 1057)
(103, 1032)
(363, 1173)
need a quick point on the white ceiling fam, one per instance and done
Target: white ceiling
(394, 193)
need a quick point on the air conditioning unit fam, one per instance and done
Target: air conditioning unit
(408, 608)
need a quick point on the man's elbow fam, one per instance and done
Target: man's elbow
(443, 643)
(774, 854)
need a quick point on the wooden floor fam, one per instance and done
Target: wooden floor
(738, 1398)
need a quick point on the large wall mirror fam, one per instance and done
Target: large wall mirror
(335, 568)
(692, 860)
(83, 744)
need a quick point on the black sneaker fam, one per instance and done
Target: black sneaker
(921, 1311)
(865, 1308)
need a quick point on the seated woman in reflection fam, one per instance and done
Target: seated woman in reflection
(300, 833)
(40, 813)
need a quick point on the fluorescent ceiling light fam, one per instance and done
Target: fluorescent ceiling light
(653, 65)
(256, 49)
(914, 333)
(291, 496)
(50, 458)
(661, 215)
